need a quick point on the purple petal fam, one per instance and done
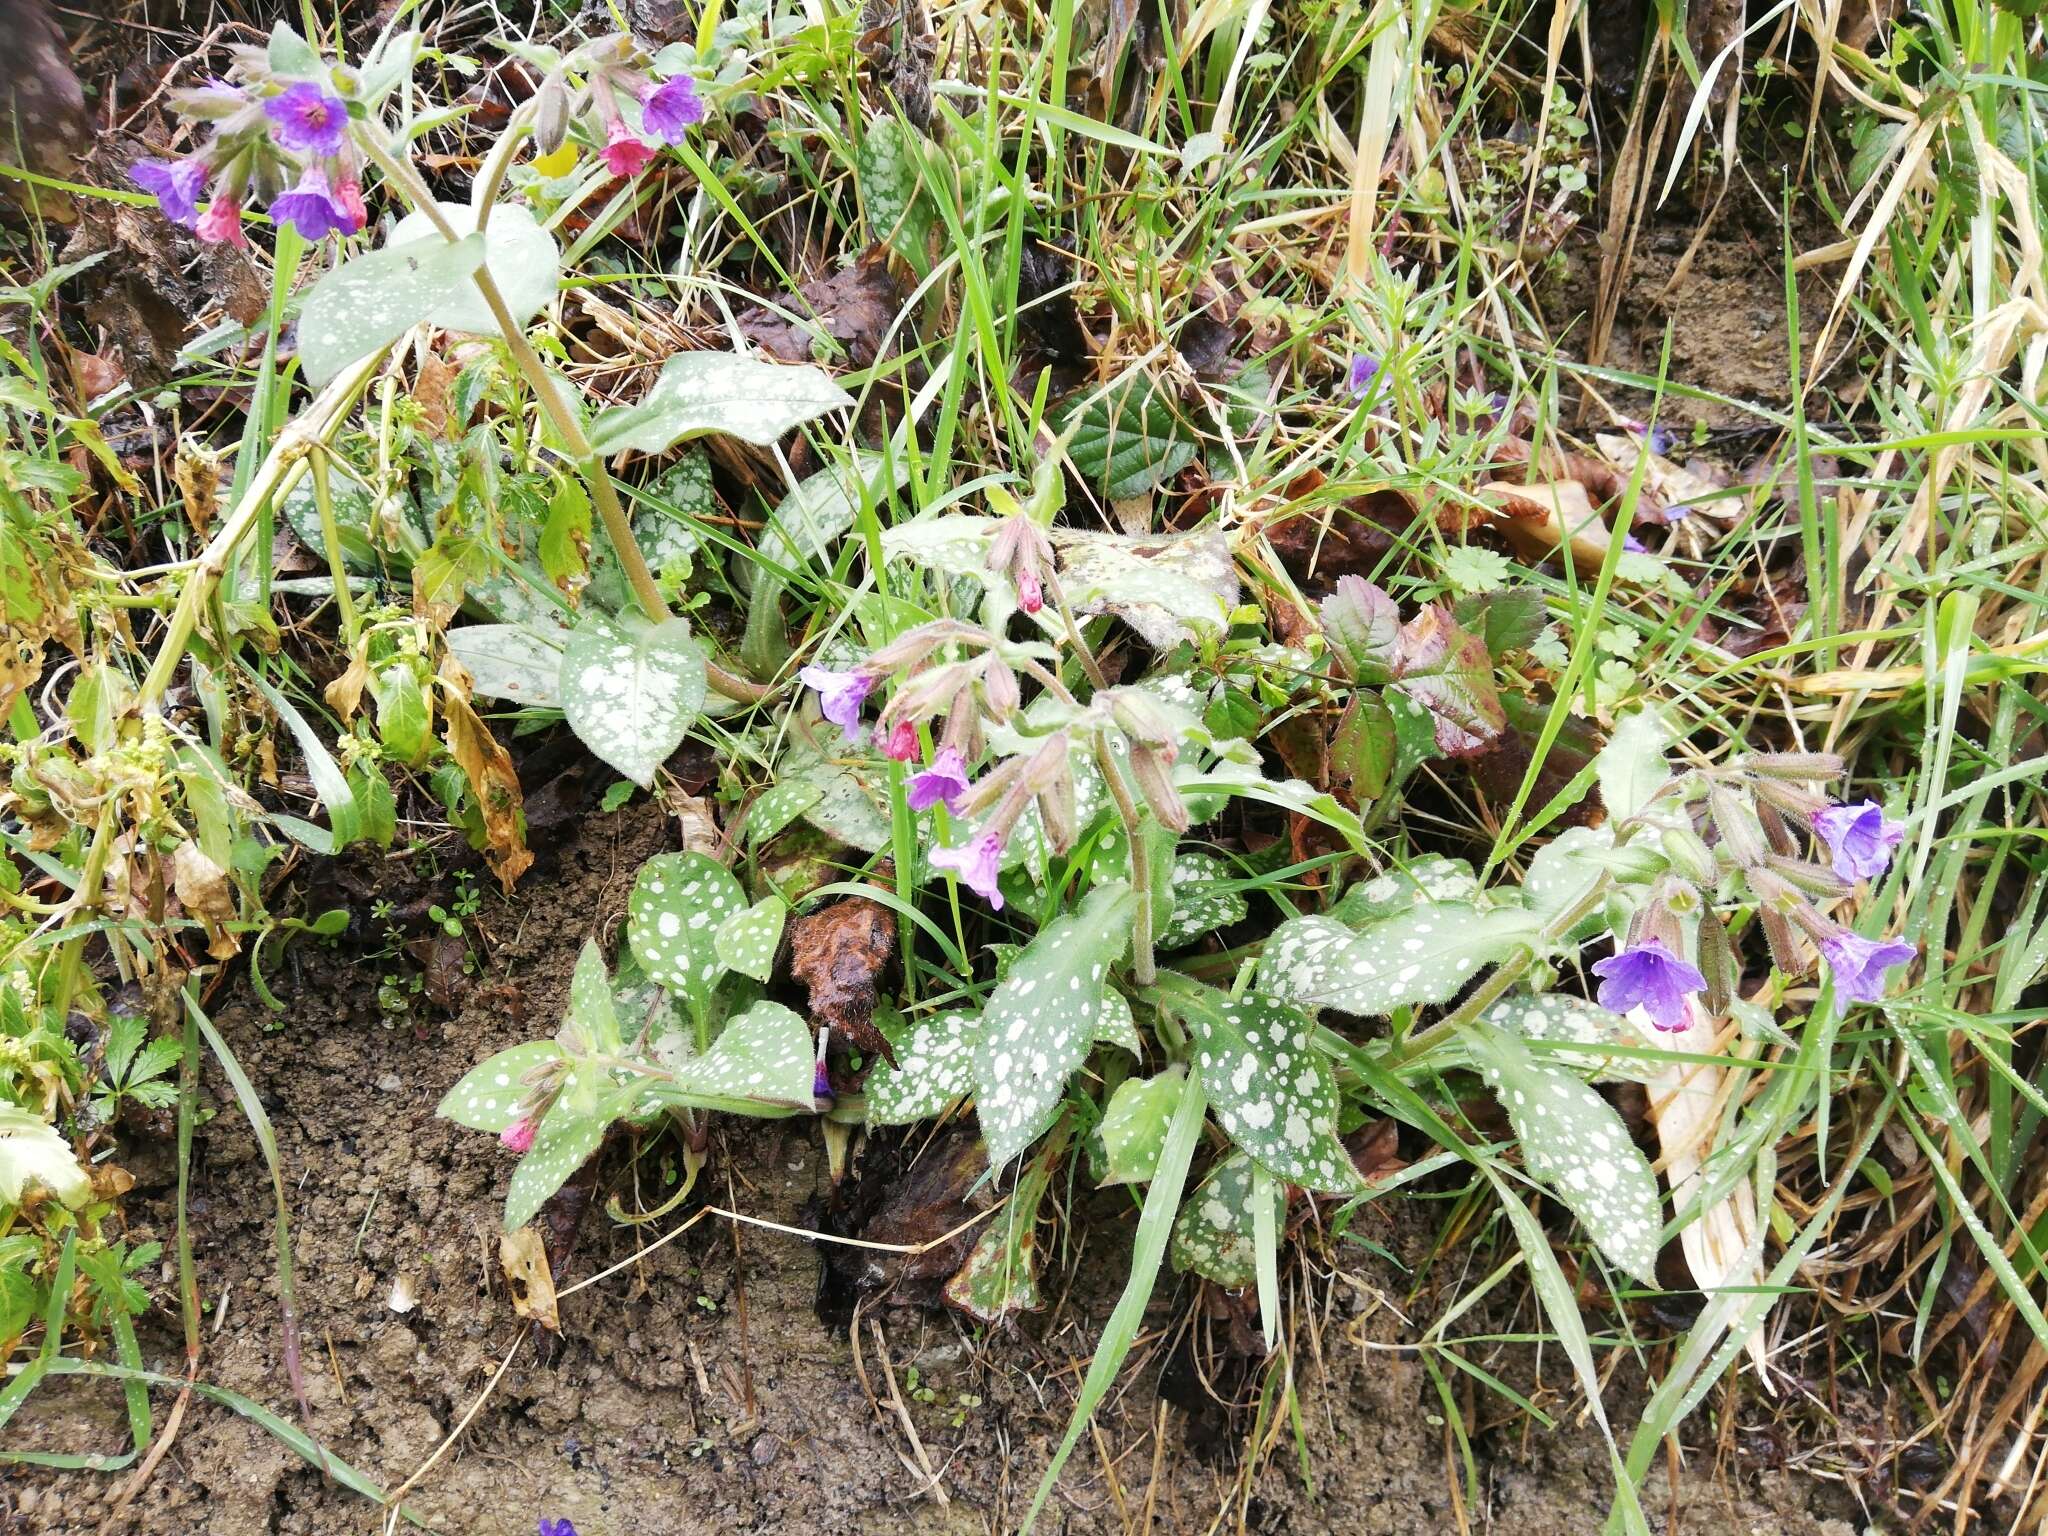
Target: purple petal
(307, 120)
(175, 184)
(671, 109)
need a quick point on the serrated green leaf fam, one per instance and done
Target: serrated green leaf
(1272, 1091)
(487, 1097)
(1574, 1141)
(1134, 1122)
(747, 940)
(1171, 588)
(1128, 439)
(522, 258)
(373, 299)
(510, 662)
(632, 694)
(1041, 1020)
(1555, 1018)
(701, 393)
(1212, 1235)
(679, 903)
(934, 1066)
(562, 1143)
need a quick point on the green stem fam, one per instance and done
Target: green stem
(1144, 970)
(330, 534)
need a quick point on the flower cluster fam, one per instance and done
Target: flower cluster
(619, 86)
(284, 142)
(1750, 816)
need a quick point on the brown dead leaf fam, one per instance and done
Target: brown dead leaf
(204, 892)
(1355, 537)
(840, 952)
(345, 694)
(525, 1260)
(921, 1205)
(443, 973)
(432, 391)
(854, 307)
(492, 778)
(197, 473)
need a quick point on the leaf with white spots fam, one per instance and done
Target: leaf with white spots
(487, 1097)
(761, 1065)
(1299, 961)
(934, 1066)
(1202, 902)
(679, 903)
(950, 544)
(593, 1023)
(699, 393)
(1427, 955)
(1554, 1018)
(1114, 1024)
(510, 662)
(1575, 1143)
(522, 257)
(378, 296)
(1212, 1235)
(1041, 1020)
(1001, 1274)
(1430, 878)
(778, 806)
(808, 521)
(1134, 1124)
(563, 1143)
(1270, 1087)
(632, 694)
(1169, 588)
(747, 940)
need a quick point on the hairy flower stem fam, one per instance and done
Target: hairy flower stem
(1505, 975)
(603, 494)
(1144, 970)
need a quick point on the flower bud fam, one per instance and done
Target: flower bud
(1740, 834)
(1056, 810)
(1691, 857)
(999, 689)
(1800, 804)
(1153, 769)
(991, 787)
(1784, 946)
(1716, 956)
(1810, 878)
(550, 115)
(1142, 720)
(1797, 766)
(927, 694)
(1021, 551)
(913, 645)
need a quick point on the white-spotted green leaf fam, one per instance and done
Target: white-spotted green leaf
(934, 1066)
(888, 169)
(778, 806)
(1114, 1024)
(1430, 878)
(1270, 1087)
(1212, 1235)
(1170, 588)
(747, 940)
(852, 797)
(1001, 1274)
(1300, 960)
(1041, 1020)
(35, 1154)
(816, 514)
(510, 662)
(761, 1064)
(630, 695)
(563, 1142)
(1426, 955)
(488, 1095)
(1574, 1142)
(950, 544)
(1565, 870)
(375, 298)
(701, 393)
(522, 258)
(679, 903)
(1201, 901)
(593, 1023)
(1556, 1019)
(1631, 767)
(1134, 1123)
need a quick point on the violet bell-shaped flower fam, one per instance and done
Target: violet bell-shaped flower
(979, 864)
(1359, 376)
(315, 208)
(669, 110)
(944, 781)
(307, 119)
(1650, 977)
(840, 695)
(175, 184)
(562, 1527)
(1860, 838)
(1858, 965)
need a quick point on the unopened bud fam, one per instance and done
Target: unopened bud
(550, 115)
(1048, 765)
(1784, 946)
(999, 689)
(1056, 810)
(1153, 769)
(1143, 721)
(1795, 765)
(1799, 804)
(990, 788)
(1715, 957)
(1691, 857)
(913, 645)
(1810, 878)
(1740, 834)
(927, 694)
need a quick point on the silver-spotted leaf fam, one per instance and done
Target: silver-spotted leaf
(1203, 899)
(1041, 1020)
(761, 1064)
(808, 521)
(1114, 1024)
(1556, 1019)
(1426, 955)
(1134, 1124)
(378, 296)
(566, 1137)
(1212, 1235)
(1269, 1086)
(1299, 962)
(523, 260)
(631, 694)
(487, 1096)
(700, 393)
(593, 1022)
(513, 662)
(934, 1066)
(1631, 767)
(1170, 588)
(747, 940)
(679, 903)
(778, 806)
(951, 544)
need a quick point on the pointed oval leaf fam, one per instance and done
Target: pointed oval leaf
(1299, 963)
(1631, 767)
(1575, 1143)
(487, 1096)
(1134, 1124)
(699, 393)
(1554, 1018)
(590, 1001)
(1271, 1089)
(510, 662)
(632, 694)
(1423, 956)
(747, 940)
(1129, 439)
(951, 544)
(1201, 901)
(811, 518)
(1212, 1235)
(563, 1143)
(1041, 1021)
(679, 903)
(934, 1066)
(522, 258)
(373, 299)
(778, 806)
(761, 1064)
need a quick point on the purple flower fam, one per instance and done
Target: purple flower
(175, 184)
(308, 120)
(1634, 545)
(556, 1527)
(519, 1137)
(1677, 512)
(978, 864)
(669, 110)
(1858, 965)
(1657, 439)
(1649, 976)
(821, 1083)
(1359, 376)
(840, 695)
(1860, 837)
(314, 208)
(945, 779)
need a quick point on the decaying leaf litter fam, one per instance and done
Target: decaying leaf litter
(1138, 660)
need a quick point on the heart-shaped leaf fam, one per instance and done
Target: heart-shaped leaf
(375, 298)
(1134, 1124)
(1041, 1020)
(630, 695)
(950, 544)
(679, 903)
(934, 1066)
(1212, 1235)
(487, 1096)
(747, 940)
(1574, 1141)
(700, 393)
(522, 258)
(510, 662)
(1271, 1089)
